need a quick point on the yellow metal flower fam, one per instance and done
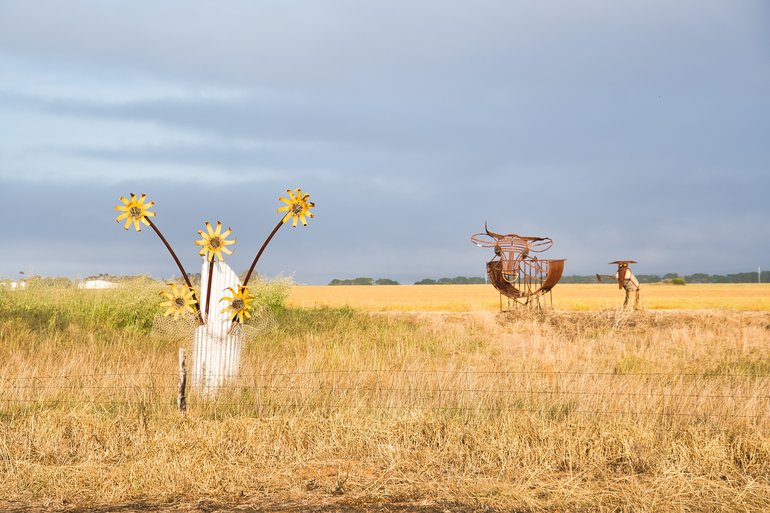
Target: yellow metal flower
(239, 303)
(214, 242)
(297, 206)
(134, 211)
(181, 301)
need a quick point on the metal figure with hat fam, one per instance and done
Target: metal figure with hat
(626, 280)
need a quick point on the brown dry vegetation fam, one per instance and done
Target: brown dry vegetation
(338, 408)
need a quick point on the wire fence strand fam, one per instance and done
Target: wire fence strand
(417, 372)
(555, 393)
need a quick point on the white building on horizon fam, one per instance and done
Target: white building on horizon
(14, 285)
(97, 284)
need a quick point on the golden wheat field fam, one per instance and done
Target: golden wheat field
(465, 298)
(393, 398)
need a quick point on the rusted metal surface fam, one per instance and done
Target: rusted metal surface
(622, 269)
(556, 269)
(626, 281)
(515, 270)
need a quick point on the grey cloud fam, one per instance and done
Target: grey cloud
(572, 135)
(619, 129)
(345, 42)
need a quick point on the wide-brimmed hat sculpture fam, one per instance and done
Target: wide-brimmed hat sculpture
(224, 313)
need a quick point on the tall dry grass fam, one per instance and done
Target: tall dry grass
(534, 411)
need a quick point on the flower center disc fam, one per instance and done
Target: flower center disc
(238, 304)
(215, 242)
(296, 208)
(179, 302)
(135, 212)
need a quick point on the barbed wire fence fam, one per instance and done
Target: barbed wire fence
(555, 394)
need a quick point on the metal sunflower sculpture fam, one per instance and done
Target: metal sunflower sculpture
(179, 301)
(238, 304)
(213, 243)
(297, 207)
(216, 334)
(135, 211)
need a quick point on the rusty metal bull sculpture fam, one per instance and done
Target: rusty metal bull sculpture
(515, 270)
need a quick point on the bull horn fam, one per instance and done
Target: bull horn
(492, 234)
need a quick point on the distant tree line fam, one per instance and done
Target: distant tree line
(457, 280)
(676, 278)
(727, 278)
(749, 277)
(364, 281)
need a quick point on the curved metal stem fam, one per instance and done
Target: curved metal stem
(208, 288)
(261, 250)
(178, 264)
(254, 264)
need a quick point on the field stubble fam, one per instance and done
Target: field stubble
(335, 407)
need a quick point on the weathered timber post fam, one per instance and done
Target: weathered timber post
(181, 397)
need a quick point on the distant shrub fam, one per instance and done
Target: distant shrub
(48, 282)
(272, 293)
(678, 281)
(355, 281)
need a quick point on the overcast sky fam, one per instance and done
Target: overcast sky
(620, 129)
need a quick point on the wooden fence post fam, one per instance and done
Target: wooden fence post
(181, 398)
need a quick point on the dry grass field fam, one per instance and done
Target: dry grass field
(395, 399)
